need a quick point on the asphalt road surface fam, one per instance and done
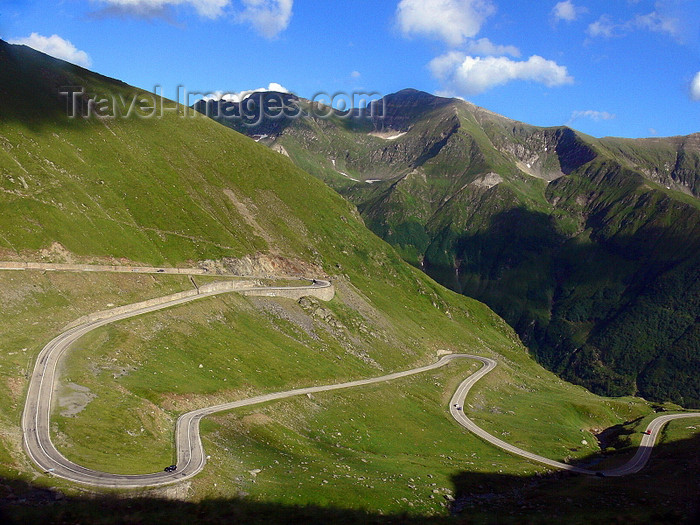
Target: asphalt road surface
(37, 410)
(191, 457)
(634, 465)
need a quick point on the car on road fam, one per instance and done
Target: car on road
(171, 468)
(647, 432)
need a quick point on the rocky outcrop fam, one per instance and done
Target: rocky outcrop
(261, 265)
(547, 153)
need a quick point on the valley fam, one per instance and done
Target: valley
(107, 219)
(587, 247)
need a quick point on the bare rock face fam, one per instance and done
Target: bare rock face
(673, 162)
(57, 253)
(487, 181)
(545, 153)
(313, 307)
(263, 265)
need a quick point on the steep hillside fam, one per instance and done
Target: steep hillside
(175, 191)
(587, 247)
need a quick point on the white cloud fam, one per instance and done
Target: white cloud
(664, 19)
(268, 17)
(659, 23)
(452, 21)
(695, 88)
(604, 27)
(242, 95)
(474, 75)
(567, 11)
(148, 8)
(355, 74)
(592, 115)
(484, 47)
(57, 47)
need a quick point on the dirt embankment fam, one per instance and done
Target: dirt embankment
(263, 265)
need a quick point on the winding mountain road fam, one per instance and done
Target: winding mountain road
(634, 465)
(191, 457)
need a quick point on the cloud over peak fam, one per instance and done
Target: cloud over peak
(452, 21)
(242, 95)
(268, 17)
(57, 47)
(473, 75)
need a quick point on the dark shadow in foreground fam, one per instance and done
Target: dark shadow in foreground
(667, 491)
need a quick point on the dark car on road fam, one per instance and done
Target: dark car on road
(171, 468)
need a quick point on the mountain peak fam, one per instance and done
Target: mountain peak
(402, 109)
(415, 96)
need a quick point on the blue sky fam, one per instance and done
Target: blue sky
(615, 67)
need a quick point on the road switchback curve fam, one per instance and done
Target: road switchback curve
(191, 457)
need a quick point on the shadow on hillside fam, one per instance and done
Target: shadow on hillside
(666, 491)
(611, 311)
(38, 90)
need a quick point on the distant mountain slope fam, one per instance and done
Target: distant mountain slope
(141, 188)
(186, 191)
(588, 247)
(172, 191)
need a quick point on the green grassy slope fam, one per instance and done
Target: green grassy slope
(577, 242)
(142, 189)
(139, 375)
(178, 191)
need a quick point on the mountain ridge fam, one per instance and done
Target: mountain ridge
(484, 203)
(171, 192)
